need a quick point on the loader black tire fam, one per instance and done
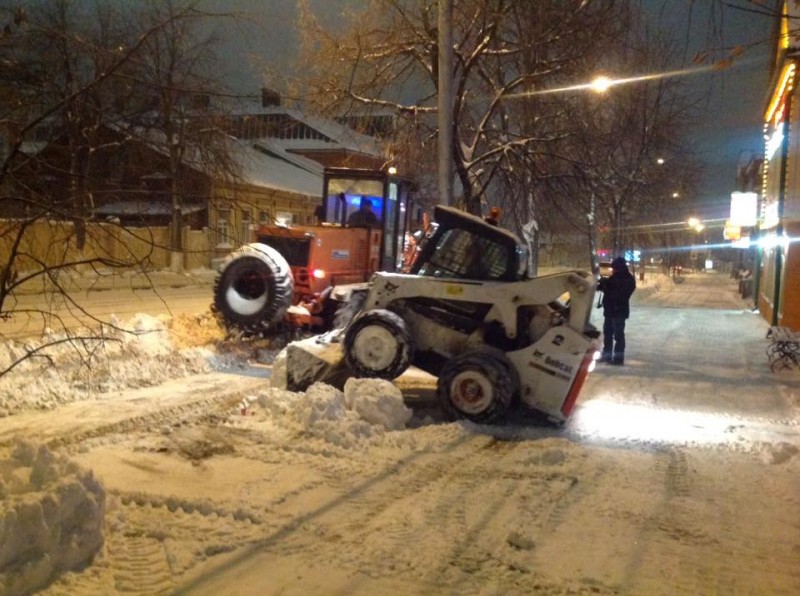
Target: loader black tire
(477, 386)
(378, 344)
(254, 289)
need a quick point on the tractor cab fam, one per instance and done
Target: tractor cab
(375, 200)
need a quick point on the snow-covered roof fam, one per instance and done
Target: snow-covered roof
(339, 136)
(145, 208)
(262, 164)
(278, 150)
(265, 164)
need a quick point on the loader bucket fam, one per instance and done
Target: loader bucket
(316, 359)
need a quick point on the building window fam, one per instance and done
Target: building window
(245, 230)
(284, 218)
(264, 218)
(223, 228)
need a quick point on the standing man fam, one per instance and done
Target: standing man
(617, 290)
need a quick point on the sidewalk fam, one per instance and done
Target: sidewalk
(697, 346)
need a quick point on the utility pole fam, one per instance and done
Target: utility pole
(445, 56)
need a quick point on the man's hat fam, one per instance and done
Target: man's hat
(618, 264)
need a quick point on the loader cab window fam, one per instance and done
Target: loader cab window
(461, 254)
(523, 256)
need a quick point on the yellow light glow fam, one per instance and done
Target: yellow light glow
(693, 222)
(784, 38)
(787, 77)
(601, 84)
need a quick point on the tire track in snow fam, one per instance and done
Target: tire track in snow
(140, 566)
(445, 498)
(177, 402)
(452, 503)
(695, 544)
(399, 503)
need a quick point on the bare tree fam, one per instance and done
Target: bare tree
(503, 50)
(527, 134)
(74, 94)
(177, 72)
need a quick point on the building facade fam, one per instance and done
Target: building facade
(778, 281)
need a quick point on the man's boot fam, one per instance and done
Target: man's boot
(618, 359)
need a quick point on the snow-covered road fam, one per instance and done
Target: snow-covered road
(679, 473)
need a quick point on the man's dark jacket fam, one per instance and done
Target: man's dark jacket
(617, 291)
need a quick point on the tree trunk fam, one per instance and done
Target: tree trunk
(471, 202)
(617, 227)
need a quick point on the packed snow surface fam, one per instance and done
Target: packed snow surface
(177, 467)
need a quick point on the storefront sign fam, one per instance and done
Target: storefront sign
(731, 231)
(744, 209)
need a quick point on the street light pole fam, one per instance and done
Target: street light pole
(445, 102)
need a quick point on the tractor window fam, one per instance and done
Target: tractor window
(465, 255)
(294, 250)
(344, 196)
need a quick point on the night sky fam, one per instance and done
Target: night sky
(730, 123)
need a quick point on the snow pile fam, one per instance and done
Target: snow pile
(59, 369)
(278, 378)
(51, 518)
(364, 411)
(378, 402)
(147, 334)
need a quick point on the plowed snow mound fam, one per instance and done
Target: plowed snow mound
(142, 352)
(51, 518)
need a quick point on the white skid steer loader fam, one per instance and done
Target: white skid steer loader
(469, 315)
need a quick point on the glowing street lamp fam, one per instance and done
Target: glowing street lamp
(601, 84)
(696, 224)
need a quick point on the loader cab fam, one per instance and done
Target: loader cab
(346, 192)
(461, 245)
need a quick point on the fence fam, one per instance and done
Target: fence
(45, 244)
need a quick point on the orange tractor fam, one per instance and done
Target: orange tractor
(285, 278)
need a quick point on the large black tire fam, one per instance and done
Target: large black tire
(378, 344)
(254, 289)
(476, 385)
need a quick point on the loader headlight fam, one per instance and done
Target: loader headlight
(319, 273)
